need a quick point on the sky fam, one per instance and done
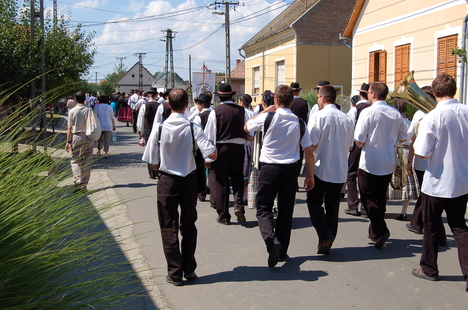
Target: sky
(125, 27)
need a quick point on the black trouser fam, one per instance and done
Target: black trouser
(276, 179)
(351, 182)
(455, 209)
(152, 174)
(373, 189)
(134, 120)
(325, 223)
(172, 192)
(229, 166)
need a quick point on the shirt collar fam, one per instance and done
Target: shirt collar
(446, 102)
(227, 102)
(380, 102)
(295, 97)
(330, 106)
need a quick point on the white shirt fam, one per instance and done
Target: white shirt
(211, 128)
(281, 141)
(379, 127)
(141, 117)
(443, 137)
(332, 131)
(314, 109)
(133, 100)
(353, 111)
(175, 153)
(158, 118)
(418, 163)
(140, 102)
(195, 117)
(106, 115)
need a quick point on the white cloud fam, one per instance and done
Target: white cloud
(87, 4)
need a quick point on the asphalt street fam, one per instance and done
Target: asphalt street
(232, 260)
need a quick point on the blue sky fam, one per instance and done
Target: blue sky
(125, 27)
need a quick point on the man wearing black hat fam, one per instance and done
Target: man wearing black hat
(353, 160)
(320, 84)
(225, 128)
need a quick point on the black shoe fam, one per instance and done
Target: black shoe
(176, 281)
(224, 222)
(202, 196)
(325, 245)
(240, 216)
(412, 229)
(283, 258)
(246, 202)
(401, 217)
(352, 212)
(342, 195)
(443, 243)
(190, 276)
(380, 241)
(273, 257)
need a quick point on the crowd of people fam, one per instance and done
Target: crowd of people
(257, 154)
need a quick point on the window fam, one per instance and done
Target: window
(378, 66)
(280, 75)
(256, 81)
(446, 62)
(402, 55)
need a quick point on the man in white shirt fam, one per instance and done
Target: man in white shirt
(174, 158)
(443, 139)
(377, 131)
(132, 102)
(331, 133)
(278, 175)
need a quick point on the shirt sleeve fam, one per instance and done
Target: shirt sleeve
(426, 139)
(360, 132)
(305, 141)
(210, 128)
(158, 116)
(151, 153)
(314, 129)
(257, 123)
(205, 146)
(141, 119)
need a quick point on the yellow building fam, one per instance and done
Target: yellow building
(392, 39)
(302, 44)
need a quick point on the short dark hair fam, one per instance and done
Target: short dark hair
(380, 88)
(429, 91)
(103, 99)
(329, 93)
(364, 95)
(178, 99)
(80, 97)
(285, 95)
(444, 86)
(400, 105)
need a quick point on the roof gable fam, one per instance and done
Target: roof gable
(283, 21)
(160, 80)
(131, 76)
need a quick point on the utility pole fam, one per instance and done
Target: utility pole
(121, 58)
(228, 38)
(39, 61)
(96, 77)
(55, 13)
(169, 58)
(140, 69)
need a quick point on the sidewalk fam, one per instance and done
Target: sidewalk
(232, 260)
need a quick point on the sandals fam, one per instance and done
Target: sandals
(418, 272)
(98, 153)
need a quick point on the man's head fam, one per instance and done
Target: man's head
(284, 96)
(321, 84)
(326, 95)
(295, 87)
(444, 86)
(203, 100)
(178, 100)
(80, 97)
(363, 91)
(377, 91)
(225, 92)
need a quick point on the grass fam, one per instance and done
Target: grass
(55, 251)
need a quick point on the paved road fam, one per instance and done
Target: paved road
(232, 260)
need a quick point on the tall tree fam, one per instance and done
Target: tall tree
(69, 53)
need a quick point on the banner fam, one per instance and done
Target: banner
(203, 82)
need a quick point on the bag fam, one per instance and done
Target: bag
(125, 115)
(93, 126)
(200, 162)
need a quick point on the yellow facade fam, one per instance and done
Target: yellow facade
(417, 23)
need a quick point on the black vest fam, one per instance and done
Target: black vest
(300, 107)
(230, 120)
(166, 111)
(204, 118)
(150, 113)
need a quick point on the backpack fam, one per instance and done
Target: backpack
(93, 126)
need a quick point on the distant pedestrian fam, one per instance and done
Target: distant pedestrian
(106, 117)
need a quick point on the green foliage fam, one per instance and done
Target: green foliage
(68, 53)
(56, 252)
(310, 97)
(106, 88)
(461, 53)
(116, 75)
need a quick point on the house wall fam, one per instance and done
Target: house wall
(419, 23)
(324, 62)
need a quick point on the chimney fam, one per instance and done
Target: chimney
(238, 62)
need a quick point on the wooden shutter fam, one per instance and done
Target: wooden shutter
(402, 54)
(371, 67)
(397, 65)
(446, 62)
(383, 67)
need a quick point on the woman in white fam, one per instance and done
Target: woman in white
(107, 120)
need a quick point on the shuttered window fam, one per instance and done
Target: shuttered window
(280, 76)
(446, 62)
(378, 66)
(256, 81)
(402, 55)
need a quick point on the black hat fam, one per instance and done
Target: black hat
(203, 98)
(295, 86)
(320, 84)
(355, 99)
(152, 90)
(225, 91)
(364, 88)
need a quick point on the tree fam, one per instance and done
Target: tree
(68, 53)
(116, 75)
